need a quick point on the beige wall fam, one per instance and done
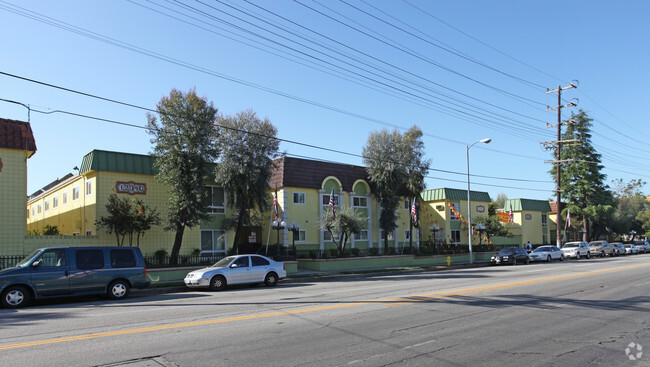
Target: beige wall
(13, 199)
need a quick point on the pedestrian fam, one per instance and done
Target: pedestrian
(528, 247)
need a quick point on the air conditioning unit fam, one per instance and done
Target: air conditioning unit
(440, 207)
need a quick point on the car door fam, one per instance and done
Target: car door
(260, 266)
(50, 273)
(89, 275)
(240, 271)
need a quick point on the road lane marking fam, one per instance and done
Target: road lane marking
(389, 301)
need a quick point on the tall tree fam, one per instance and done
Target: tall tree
(630, 202)
(396, 165)
(249, 145)
(184, 151)
(341, 228)
(581, 179)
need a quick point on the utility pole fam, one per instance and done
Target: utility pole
(559, 160)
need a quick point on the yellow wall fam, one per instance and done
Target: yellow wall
(438, 213)
(13, 198)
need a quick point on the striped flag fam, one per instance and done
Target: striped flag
(332, 205)
(568, 217)
(511, 216)
(415, 213)
(276, 212)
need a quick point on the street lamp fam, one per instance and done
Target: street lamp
(469, 206)
(294, 228)
(278, 225)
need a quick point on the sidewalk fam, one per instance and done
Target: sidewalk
(314, 276)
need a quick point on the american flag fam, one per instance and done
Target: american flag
(275, 204)
(415, 213)
(511, 216)
(332, 205)
(568, 217)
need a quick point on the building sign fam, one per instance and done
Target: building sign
(528, 216)
(131, 188)
(480, 209)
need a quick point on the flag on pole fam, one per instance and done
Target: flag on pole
(415, 213)
(511, 216)
(568, 217)
(276, 212)
(332, 205)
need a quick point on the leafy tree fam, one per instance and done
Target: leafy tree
(347, 222)
(127, 217)
(492, 223)
(396, 165)
(184, 154)
(629, 201)
(49, 230)
(644, 219)
(249, 145)
(501, 200)
(582, 181)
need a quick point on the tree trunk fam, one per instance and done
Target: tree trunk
(586, 228)
(235, 244)
(178, 241)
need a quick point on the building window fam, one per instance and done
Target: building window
(47, 205)
(300, 235)
(359, 202)
(89, 232)
(55, 202)
(89, 187)
(407, 204)
(216, 199)
(544, 220)
(299, 198)
(545, 238)
(27, 213)
(362, 236)
(213, 242)
(452, 216)
(32, 211)
(328, 237)
(407, 235)
(38, 209)
(65, 198)
(381, 235)
(326, 200)
(455, 236)
(75, 193)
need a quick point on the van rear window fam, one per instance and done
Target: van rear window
(90, 259)
(122, 258)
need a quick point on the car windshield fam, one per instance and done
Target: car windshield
(24, 261)
(568, 245)
(223, 262)
(507, 251)
(541, 249)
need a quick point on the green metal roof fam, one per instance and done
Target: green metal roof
(454, 194)
(102, 160)
(527, 204)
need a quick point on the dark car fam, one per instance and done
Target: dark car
(510, 255)
(70, 271)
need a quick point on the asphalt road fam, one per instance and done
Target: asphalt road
(571, 313)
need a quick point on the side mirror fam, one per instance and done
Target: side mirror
(233, 266)
(36, 263)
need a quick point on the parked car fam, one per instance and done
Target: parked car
(619, 248)
(71, 271)
(547, 253)
(643, 246)
(601, 248)
(576, 250)
(630, 249)
(510, 255)
(240, 269)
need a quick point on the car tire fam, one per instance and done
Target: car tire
(548, 259)
(514, 261)
(118, 289)
(588, 255)
(217, 283)
(577, 255)
(271, 279)
(561, 257)
(15, 296)
(527, 261)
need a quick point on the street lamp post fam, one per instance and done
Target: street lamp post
(294, 228)
(469, 206)
(278, 225)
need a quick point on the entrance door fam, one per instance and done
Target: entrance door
(50, 273)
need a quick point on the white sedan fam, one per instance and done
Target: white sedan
(240, 269)
(546, 253)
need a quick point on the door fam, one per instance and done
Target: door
(239, 271)
(260, 266)
(50, 273)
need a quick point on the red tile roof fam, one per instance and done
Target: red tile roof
(17, 135)
(554, 207)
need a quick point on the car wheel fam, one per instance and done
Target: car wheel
(561, 257)
(118, 289)
(514, 261)
(271, 279)
(217, 283)
(14, 297)
(577, 256)
(527, 261)
(588, 255)
(548, 258)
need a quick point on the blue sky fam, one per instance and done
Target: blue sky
(327, 73)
